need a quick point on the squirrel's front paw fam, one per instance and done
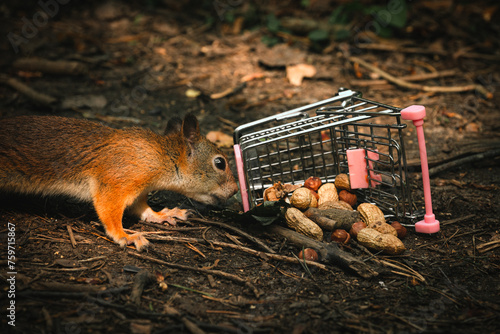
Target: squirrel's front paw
(166, 215)
(139, 241)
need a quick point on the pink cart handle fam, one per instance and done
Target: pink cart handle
(416, 114)
(358, 174)
(241, 178)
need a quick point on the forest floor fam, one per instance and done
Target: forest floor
(140, 66)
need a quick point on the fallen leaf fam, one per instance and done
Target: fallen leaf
(220, 139)
(252, 76)
(281, 55)
(472, 127)
(296, 73)
(450, 114)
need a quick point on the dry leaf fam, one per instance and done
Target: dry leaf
(252, 76)
(296, 73)
(220, 139)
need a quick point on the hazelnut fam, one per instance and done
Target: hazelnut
(400, 229)
(348, 197)
(342, 182)
(313, 183)
(308, 254)
(340, 236)
(355, 228)
(303, 199)
(315, 194)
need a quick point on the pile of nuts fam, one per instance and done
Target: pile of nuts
(371, 230)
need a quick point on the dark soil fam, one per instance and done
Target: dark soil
(143, 59)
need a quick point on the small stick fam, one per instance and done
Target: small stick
(241, 248)
(51, 67)
(415, 77)
(206, 271)
(191, 326)
(172, 228)
(398, 48)
(30, 93)
(409, 85)
(228, 92)
(486, 247)
(141, 279)
(331, 219)
(462, 161)
(238, 231)
(457, 220)
(71, 236)
(329, 253)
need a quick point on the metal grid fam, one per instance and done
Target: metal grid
(299, 145)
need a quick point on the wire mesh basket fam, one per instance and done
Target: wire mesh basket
(344, 134)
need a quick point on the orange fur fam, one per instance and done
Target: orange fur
(114, 169)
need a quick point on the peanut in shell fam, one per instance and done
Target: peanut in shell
(370, 214)
(296, 220)
(374, 240)
(327, 193)
(303, 199)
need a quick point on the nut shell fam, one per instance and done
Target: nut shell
(313, 183)
(355, 228)
(384, 228)
(370, 214)
(335, 205)
(308, 254)
(303, 199)
(400, 229)
(342, 182)
(340, 236)
(348, 197)
(387, 243)
(279, 191)
(327, 193)
(296, 220)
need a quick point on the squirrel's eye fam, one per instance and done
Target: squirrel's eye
(220, 163)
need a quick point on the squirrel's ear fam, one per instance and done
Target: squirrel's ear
(191, 129)
(174, 125)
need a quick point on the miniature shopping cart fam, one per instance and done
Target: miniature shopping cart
(344, 134)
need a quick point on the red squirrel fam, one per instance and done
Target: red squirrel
(113, 168)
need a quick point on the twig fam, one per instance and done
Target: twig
(458, 162)
(191, 326)
(241, 248)
(206, 271)
(49, 66)
(329, 253)
(398, 48)
(71, 236)
(228, 92)
(141, 279)
(457, 220)
(403, 268)
(238, 231)
(172, 228)
(406, 321)
(415, 77)
(30, 93)
(488, 246)
(409, 85)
